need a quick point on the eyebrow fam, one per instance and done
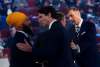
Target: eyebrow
(68, 15)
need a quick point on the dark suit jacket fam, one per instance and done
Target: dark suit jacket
(70, 36)
(52, 45)
(87, 42)
(70, 31)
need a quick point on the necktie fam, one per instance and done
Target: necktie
(76, 34)
(76, 37)
(77, 29)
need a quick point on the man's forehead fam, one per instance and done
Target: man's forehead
(40, 15)
(70, 12)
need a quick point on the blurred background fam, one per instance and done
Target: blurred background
(90, 10)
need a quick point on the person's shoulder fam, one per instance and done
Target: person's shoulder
(89, 23)
(19, 34)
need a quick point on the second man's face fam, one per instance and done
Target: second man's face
(73, 16)
(43, 19)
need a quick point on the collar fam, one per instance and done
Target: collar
(79, 25)
(52, 23)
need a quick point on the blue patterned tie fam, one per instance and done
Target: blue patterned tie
(76, 34)
(77, 29)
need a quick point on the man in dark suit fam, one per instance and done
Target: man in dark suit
(69, 26)
(86, 40)
(52, 44)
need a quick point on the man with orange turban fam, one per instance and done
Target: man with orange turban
(21, 52)
(17, 19)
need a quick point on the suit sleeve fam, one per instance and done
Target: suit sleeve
(19, 37)
(54, 46)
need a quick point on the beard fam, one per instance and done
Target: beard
(27, 30)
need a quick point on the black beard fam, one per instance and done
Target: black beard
(27, 30)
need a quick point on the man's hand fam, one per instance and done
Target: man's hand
(73, 45)
(24, 46)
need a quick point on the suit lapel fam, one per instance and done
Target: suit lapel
(82, 29)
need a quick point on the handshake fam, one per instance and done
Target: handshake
(74, 46)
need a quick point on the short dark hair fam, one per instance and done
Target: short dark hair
(72, 8)
(48, 9)
(59, 16)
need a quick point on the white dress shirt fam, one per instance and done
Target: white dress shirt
(52, 23)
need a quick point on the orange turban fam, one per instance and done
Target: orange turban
(16, 19)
